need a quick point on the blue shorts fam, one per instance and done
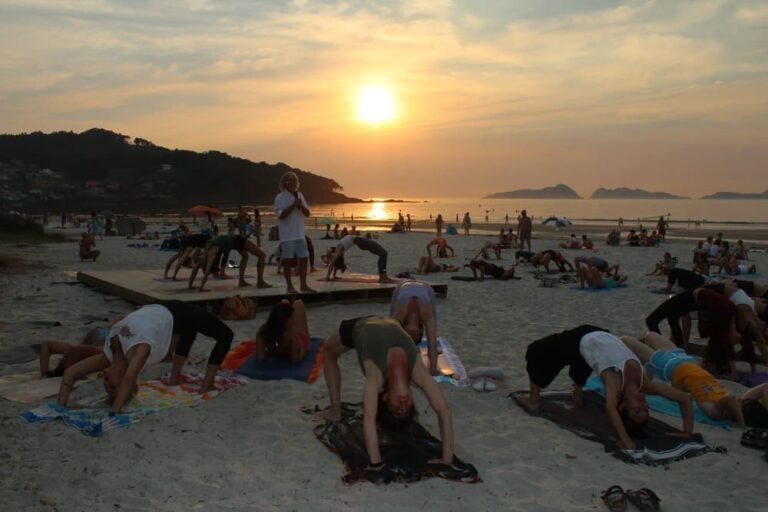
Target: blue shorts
(662, 364)
(294, 249)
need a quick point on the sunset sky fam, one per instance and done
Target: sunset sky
(478, 96)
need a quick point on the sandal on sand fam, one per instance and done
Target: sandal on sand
(755, 438)
(644, 499)
(615, 499)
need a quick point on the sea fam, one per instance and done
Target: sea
(745, 213)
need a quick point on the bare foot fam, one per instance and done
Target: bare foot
(291, 290)
(203, 390)
(386, 279)
(307, 289)
(243, 283)
(263, 284)
(329, 415)
(526, 402)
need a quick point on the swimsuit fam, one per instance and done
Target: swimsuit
(684, 372)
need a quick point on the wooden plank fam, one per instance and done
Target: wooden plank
(144, 287)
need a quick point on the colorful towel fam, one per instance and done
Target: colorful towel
(241, 360)
(590, 422)
(405, 453)
(92, 417)
(661, 404)
(448, 362)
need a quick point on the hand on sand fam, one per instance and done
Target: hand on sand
(435, 372)
(630, 446)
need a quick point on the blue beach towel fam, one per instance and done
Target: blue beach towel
(275, 368)
(448, 363)
(661, 404)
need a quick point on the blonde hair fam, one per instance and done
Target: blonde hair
(285, 177)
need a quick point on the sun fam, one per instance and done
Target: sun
(375, 104)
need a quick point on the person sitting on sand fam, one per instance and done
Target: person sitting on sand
(71, 354)
(427, 266)
(442, 247)
(664, 266)
(218, 248)
(88, 249)
(545, 257)
(191, 249)
(570, 243)
(414, 305)
(488, 246)
(632, 238)
(481, 268)
(670, 364)
(285, 333)
(587, 348)
(613, 238)
(390, 363)
(366, 244)
(151, 334)
(596, 280)
(587, 243)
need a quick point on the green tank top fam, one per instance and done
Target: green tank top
(375, 335)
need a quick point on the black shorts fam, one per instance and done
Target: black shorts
(239, 243)
(196, 240)
(346, 328)
(545, 358)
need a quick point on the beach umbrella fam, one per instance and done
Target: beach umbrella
(205, 209)
(560, 222)
(328, 221)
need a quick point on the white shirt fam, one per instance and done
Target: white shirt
(291, 227)
(740, 297)
(152, 324)
(347, 242)
(602, 350)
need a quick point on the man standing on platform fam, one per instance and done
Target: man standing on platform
(291, 209)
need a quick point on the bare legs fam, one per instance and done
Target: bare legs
(332, 372)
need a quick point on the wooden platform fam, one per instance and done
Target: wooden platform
(144, 287)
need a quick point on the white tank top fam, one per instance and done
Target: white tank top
(602, 351)
(152, 324)
(347, 242)
(740, 297)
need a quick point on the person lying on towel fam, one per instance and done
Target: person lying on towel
(390, 362)
(668, 363)
(414, 305)
(149, 335)
(70, 353)
(285, 333)
(587, 348)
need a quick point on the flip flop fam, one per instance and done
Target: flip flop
(755, 438)
(614, 498)
(644, 499)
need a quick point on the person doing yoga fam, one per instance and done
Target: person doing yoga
(414, 305)
(192, 247)
(149, 335)
(442, 247)
(668, 363)
(217, 250)
(595, 278)
(428, 265)
(545, 257)
(685, 279)
(481, 268)
(285, 333)
(587, 348)
(365, 244)
(390, 363)
(488, 246)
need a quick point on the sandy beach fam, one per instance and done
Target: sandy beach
(253, 449)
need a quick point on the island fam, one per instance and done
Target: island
(631, 193)
(737, 195)
(557, 192)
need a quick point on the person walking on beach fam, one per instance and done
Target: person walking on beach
(466, 223)
(661, 227)
(524, 230)
(291, 209)
(439, 224)
(408, 223)
(257, 226)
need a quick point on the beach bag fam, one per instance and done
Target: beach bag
(237, 308)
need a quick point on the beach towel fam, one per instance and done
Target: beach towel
(448, 363)
(405, 453)
(590, 422)
(241, 360)
(661, 404)
(92, 417)
(29, 388)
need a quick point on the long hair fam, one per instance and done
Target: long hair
(273, 328)
(388, 421)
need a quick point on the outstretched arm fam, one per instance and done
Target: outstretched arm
(612, 384)
(430, 327)
(436, 399)
(78, 371)
(338, 253)
(370, 408)
(137, 358)
(682, 398)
